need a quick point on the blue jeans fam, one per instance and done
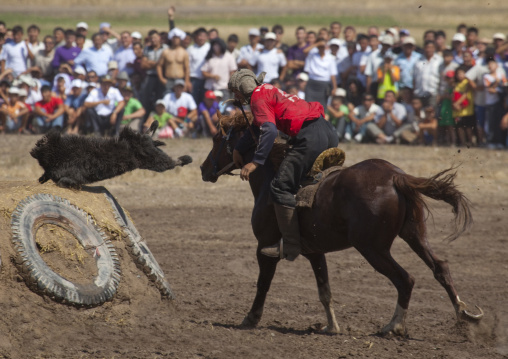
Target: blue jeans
(44, 126)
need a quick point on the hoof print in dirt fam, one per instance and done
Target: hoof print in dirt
(41, 225)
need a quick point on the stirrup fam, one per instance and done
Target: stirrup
(277, 250)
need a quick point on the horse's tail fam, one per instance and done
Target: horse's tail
(439, 187)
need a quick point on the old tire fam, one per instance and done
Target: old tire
(37, 210)
(139, 250)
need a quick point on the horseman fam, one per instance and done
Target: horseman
(310, 134)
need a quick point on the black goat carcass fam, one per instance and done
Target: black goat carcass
(72, 161)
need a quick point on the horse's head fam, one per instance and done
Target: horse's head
(220, 158)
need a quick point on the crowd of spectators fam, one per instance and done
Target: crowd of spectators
(378, 86)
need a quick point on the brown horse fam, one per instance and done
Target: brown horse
(364, 206)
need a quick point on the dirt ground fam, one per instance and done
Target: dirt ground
(200, 234)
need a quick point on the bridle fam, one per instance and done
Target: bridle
(215, 160)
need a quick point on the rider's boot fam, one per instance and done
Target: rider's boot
(289, 247)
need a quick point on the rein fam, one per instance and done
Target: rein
(215, 160)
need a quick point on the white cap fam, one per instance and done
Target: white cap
(270, 36)
(340, 92)
(76, 83)
(334, 41)
(79, 70)
(254, 32)
(460, 37)
(386, 40)
(82, 24)
(176, 32)
(84, 84)
(26, 79)
(409, 40)
(136, 35)
(104, 25)
(13, 91)
(395, 33)
(302, 76)
(112, 65)
(499, 36)
(218, 93)
(23, 92)
(160, 102)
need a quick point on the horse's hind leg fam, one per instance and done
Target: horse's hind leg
(318, 262)
(415, 234)
(267, 267)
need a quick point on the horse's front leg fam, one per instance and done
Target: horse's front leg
(267, 266)
(318, 262)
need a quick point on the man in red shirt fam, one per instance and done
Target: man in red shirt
(310, 133)
(49, 111)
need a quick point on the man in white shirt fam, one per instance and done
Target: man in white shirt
(270, 60)
(124, 55)
(248, 51)
(374, 60)
(427, 75)
(34, 44)
(197, 53)
(16, 53)
(181, 104)
(96, 58)
(104, 108)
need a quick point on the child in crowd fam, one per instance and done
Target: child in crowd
(160, 115)
(49, 111)
(463, 107)
(207, 115)
(427, 128)
(13, 113)
(446, 129)
(337, 113)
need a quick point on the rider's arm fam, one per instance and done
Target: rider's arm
(267, 137)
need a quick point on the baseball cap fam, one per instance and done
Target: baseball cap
(450, 73)
(179, 82)
(254, 32)
(13, 91)
(409, 40)
(160, 102)
(218, 93)
(136, 35)
(80, 70)
(123, 75)
(270, 36)
(82, 25)
(386, 40)
(302, 76)
(77, 83)
(210, 95)
(340, 92)
(334, 41)
(112, 65)
(459, 37)
(176, 32)
(23, 92)
(499, 36)
(103, 25)
(404, 32)
(181, 112)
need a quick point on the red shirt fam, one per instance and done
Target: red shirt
(288, 113)
(51, 105)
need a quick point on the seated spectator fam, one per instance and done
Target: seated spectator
(75, 107)
(133, 111)
(166, 126)
(270, 60)
(4, 88)
(427, 128)
(32, 88)
(49, 111)
(64, 72)
(61, 90)
(218, 67)
(122, 80)
(361, 116)
(181, 106)
(95, 58)
(247, 52)
(390, 121)
(337, 113)
(104, 108)
(207, 115)
(13, 113)
(67, 53)
(113, 70)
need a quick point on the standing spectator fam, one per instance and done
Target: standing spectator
(374, 61)
(472, 41)
(446, 129)
(67, 53)
(124, 55)
(247, 52)
(361, 116)
(16, 53)
(360, 58)
(75, 107)
(34, 44)
(462, 29)
(49, 111)
(95, 58)
(197, 54)
(110, 38)
(174, 62)
(427, 74)
(82, 30)
(406, 62)
(59, 36)
(104, 108)
(458, 43)
(152, 88)
(388, 76)
(213, 34)
(493, 82)
(390, 121)
(181, 105)
(322, 71)
(335, 30)
(44, 58)
(231, 46)
(163, 118)
(207, 115)
(278, 30)
(346, 69)
(296, 56)
(218, 68)
(270, 60)
(138, 73)
(13, 113)
(440, 42)
(463, 107)
(133, 111)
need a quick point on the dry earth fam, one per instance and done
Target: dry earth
(200, 234)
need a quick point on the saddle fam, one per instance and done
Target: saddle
(328, 162)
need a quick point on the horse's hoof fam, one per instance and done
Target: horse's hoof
(330, 330)
(391, 331)
(249, 322)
